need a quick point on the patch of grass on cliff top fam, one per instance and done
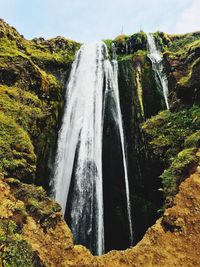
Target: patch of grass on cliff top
(10, 49)
(58, 49)
(179, 42)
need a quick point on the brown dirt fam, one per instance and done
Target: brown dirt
(174, 240)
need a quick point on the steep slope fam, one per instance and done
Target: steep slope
(32, 85)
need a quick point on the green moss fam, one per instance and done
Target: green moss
(31, 95)
(9, 48)
(167, 135)
(14, 250)
(167, 132)
(162, 40)
(58, 50)
(38, 205)
(16, 150)
(193, 140)
(138, 55)
(138, 40)
(177, 172)
(108, 43)
(181, 41)
(138, 78)
(121, 39)
(24, 107)
(186, 79)
(19, 254)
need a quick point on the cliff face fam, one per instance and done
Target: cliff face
(32, 86)
(33, 232)
(173, 240)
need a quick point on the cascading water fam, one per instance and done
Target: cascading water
(79, 153)
(112, 84)
(156, 59)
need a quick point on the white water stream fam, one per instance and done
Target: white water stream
(79, 153)
(156, 59)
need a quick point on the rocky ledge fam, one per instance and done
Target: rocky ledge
(34, 233)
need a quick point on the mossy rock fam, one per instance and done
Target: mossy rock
(180, 168)
(37, 204)
(32, 87)
(167, 132)
(193, 140)
(16, 150)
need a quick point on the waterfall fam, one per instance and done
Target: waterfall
(121, 132)
(79, 154)
(156, 59)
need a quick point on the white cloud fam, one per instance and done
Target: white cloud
(189, 19)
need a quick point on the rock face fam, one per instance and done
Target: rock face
(33, 231)
(30, 218)
(173, 240)
(32, 87)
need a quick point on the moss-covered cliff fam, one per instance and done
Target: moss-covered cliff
(162, 148)
(162, 152)
(32, 86)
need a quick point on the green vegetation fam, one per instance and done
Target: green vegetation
(162, 40)
(19, 253)
(15, 251)
(16, 212)
(121, 39)
(57, 50)
(178, 42)
(44, 211)
(17, 156)
(177, 172)
(173, 139)
(31, 98)
(23, 106)
(167, 131)
(184, 49)
(193, 140)
(126, 45)
(140, 54)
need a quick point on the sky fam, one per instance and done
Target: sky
(93, 20)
